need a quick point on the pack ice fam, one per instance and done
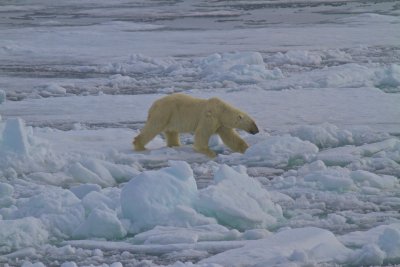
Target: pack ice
(168, 214)
(318, 186)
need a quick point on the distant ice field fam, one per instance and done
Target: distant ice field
(318, 186)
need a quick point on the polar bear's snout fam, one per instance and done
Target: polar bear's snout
(253, 128)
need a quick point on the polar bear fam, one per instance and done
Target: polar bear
(180, 113)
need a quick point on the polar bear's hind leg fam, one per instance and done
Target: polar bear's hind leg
(155, 124)
(172, 138)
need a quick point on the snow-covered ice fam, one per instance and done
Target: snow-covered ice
(318, 186)
(239, 201)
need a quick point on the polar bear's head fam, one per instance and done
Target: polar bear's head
(244, 122)
(232, 117)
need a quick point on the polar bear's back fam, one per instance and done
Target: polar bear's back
(180, 112)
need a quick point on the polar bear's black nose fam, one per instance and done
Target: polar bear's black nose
(254, 129)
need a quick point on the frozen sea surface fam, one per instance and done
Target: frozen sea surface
(319, 184)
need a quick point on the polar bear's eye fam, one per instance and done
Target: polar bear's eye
(240, 117)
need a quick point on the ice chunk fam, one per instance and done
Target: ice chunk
(161, 197)
(372, 236)
(55, 178)
(296, 57)
(59, 210)
(388, 79)
(82, 190)
(336, 179)
(21, 233)
(317, 165)
(286, 247)
(339, 156)
(328, 135)
(30, 264)
(374, 180)
(190, 264)
(254, 234)
(239, 67)
(175, 235)
(370, 254)
(92, 172)
(121, 173)
(107, 198)
(119, 80)
(386, 145)
(367, 18)
(6, 192)
(342, 179)
(379, 244)
(389, 242)
(365, 135)
(324, 135)
(14, 138)
(51, 89)
(101, 223)
(101, 172)
(96, 167)
(349, 75)
(138, 63)
(21, 152)
(281, 151)
(239, 201)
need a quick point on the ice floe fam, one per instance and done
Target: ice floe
(171, 216)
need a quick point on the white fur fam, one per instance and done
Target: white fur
(179, 113)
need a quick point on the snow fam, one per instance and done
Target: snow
(318, 185)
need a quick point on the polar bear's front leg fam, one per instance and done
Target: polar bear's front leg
(232, 139)
(205, 129)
